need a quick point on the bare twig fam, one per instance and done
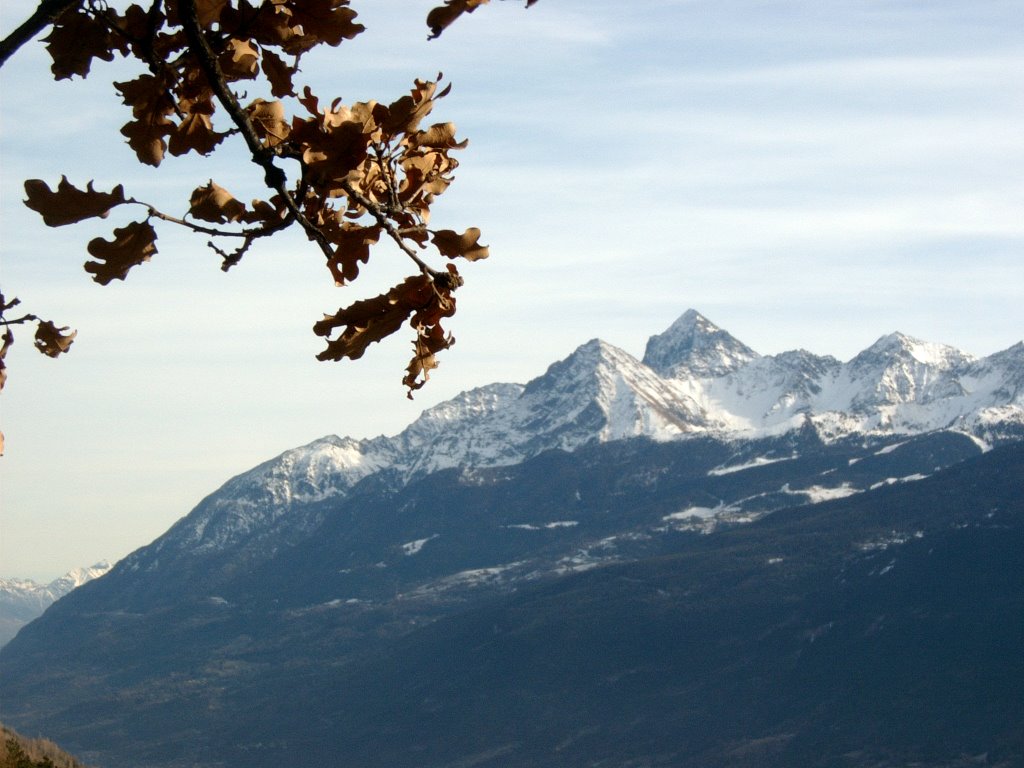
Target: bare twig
(231, 259)
(154, 213)
(18, 320)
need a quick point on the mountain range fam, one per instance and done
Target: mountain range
(619, 563)
(695, 380)
(22, 600)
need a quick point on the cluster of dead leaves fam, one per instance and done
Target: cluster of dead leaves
(370, 171)
(371, 168)
(51, 340)
(173, 103)
(422, 301)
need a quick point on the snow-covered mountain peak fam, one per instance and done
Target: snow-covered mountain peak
(59, 586)
(899, 346)
(581, 368)
(900, 369)
(630, 398)
(694, 347)
(598, 392)
(79, 576)
(448, 434)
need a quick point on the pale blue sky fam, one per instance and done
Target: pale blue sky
(806, 174)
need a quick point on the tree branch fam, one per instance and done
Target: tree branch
(386, 224)
(273, 176)
(154, 213)
(249, 236)
(45, 14)
(255, 232)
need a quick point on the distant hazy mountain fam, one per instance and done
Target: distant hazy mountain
(22, 600)
(646, 550)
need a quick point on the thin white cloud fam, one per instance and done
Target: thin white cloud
(858, 72)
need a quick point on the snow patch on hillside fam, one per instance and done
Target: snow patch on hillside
(760, 461)
(415, 547)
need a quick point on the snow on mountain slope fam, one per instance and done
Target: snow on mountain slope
(599, 392)
(994, 394)
(22, 600)
(448, 434)
(76, 578)
(695, 379)
(904, 385)
(899, 369)
(694, 347)
(898, 385)
(766, 395)
(251, 503)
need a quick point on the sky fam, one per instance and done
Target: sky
(805, 174)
